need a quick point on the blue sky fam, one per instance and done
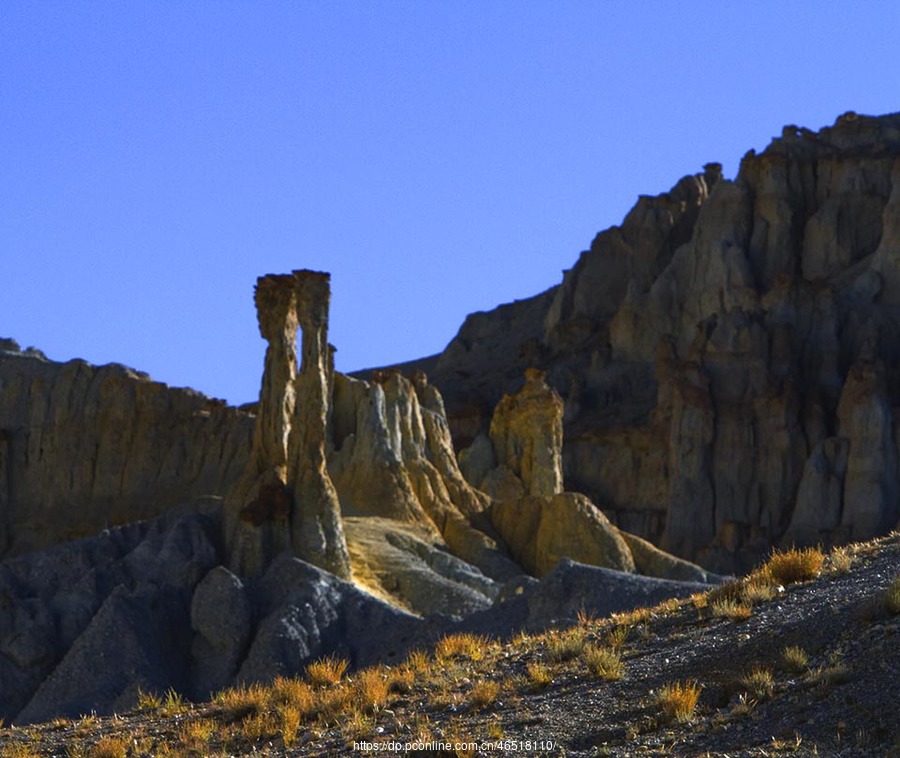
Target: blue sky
(437, 158)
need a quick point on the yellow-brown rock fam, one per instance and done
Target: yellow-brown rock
(285, 498)
(527, 433)
(540, 531)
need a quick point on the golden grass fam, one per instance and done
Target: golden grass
(564, 646)
(617, 636)
(373, 687)
(678, 700)
(289, 719)
(840, 560)
(239, 702)
(195, 734)
(471, 646)
(794, 659)
(484, 693)
(538, 674)
(110, 747)
(790, 566)
(603, 662)
(327, 671)
(18, 750)
(730, 609)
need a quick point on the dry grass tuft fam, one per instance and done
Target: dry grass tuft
(538, 674)
(110, 747)
(564, 646)
(730, 609)
(604, 662)
(239, 702)
(471, 646)
(326, 671)
(289, 719)
(484, 693)
(617, 636)
(757, 682)
(195, 734)
(840, 560)
(678, 700)
(373, 687)
(795, 660)
(789, 566)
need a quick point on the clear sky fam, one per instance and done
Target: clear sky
(437, 158)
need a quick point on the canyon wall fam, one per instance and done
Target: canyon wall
(728, 356)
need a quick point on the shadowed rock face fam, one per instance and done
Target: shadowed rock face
(285, 498)
(729, 350)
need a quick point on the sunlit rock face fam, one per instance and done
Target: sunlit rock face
(285, 499)
(728, 356)
(85, 447)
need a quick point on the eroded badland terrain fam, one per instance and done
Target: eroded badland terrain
(525, 544)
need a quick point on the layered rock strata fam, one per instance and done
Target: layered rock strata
(727, 356)
(84, 447)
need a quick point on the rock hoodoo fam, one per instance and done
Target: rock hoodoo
(285, 498)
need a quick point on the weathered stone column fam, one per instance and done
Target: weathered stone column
(317, 534)
(527, 435)
(259, 506)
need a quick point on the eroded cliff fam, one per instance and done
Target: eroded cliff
(728, 356)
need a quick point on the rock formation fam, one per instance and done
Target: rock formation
(285, 498)
(84, 447)
(724, 354)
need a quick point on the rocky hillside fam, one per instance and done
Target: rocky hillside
(776, 665)
(728, 356)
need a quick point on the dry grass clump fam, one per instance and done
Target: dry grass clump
(471, 646)
(678, 700)
(373, 688)
(240, 702)
(617, 636)
(195, 734)
(840, 560)
(828, 676)
(289, 719)
(604, 662)
(758, 682)
(794, 659)
(484, 693)
(18, 750)
(789, 566)
(110, 747)
(538, 674)
(564, 646)
(730, 609)
(891, 598)
(326, 671)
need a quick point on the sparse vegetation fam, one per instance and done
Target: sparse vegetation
(564, 646)
(891, 598)
(793, 565)
(794, 660)
(469, 646)
(458, 688)
(603, 662)
(326, 671)
(730, 609)
(757, 682)
(538, 674)
(110, 747)
(484, 693)
(678, 700)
